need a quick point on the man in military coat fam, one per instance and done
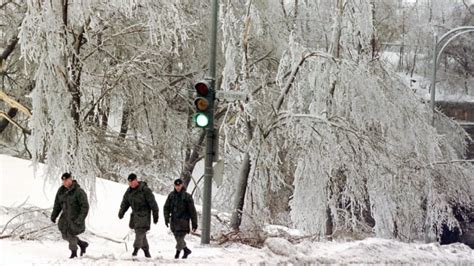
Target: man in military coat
(71, 202)
(142, 201)
(179, 210)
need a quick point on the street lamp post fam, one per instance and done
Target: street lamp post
(438, 48)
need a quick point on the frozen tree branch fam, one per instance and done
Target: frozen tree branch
(8, 50)
(7, 117)
(293, 74)
(13, 103)
(104, 93)
(468, 8)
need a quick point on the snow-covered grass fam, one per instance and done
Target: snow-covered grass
(111, 240)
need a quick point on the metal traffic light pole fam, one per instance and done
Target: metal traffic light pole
(208, 171)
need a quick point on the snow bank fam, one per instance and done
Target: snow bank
(371, 250)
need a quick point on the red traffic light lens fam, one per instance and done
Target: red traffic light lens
(202, 88)
(201, 104)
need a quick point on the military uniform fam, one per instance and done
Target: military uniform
(143, 203)
(74, 206)
(179, 210)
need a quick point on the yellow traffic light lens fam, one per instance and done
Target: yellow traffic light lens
(201, 104)
(201, 120)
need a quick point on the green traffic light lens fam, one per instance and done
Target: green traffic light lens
(201, 120)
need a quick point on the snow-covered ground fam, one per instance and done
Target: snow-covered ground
(111, 240)
(421, 85)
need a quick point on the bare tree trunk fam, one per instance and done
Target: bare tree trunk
(336, 46)
(8, 50)
(74, 80)
(192, 157)
(329, 223)
(402, 47)
(125, 119)
(336, 43)
(74, 90)
(414, 61)
(239, 199)
(373, 41)
(104, 114)
(431, 11)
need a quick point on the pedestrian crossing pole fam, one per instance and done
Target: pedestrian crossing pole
(208, 171)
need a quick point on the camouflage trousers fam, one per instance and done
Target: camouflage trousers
(140, 239)
(180, 243)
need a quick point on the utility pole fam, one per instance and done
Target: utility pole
(208, 171)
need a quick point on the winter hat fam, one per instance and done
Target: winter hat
(132, 177)
(66, 176)
(178, 181)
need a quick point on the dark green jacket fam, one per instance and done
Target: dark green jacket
(179, 206)
(142, 201)
(74, 206)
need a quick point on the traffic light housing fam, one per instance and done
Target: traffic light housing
(203, 102)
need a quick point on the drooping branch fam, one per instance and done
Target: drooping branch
(291, 79)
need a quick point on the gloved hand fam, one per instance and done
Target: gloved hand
(166, 223)
(194, 228)
(155, 219)
(120, 215)
(53, 220)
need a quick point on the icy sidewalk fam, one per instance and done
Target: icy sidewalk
(277, 251)
(104, 252)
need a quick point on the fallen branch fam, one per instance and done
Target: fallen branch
(237, 236)
(106, 237)
(22, 236)
(14, 217)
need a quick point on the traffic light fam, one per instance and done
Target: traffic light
(203, 101)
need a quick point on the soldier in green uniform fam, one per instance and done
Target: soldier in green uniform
(179, 207)
(71, 200)
(140, 197)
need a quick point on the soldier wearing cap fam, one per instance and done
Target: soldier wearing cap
(179, 210)
(71, 202)
(142, 201)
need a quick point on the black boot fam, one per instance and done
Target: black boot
(176, 256)
(135, 251)
(73, 254)
(83, 245)
(187, 251)
(147, 252)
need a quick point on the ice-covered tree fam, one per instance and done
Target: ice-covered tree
(111, 85)
(338, 130)
(329, 139)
